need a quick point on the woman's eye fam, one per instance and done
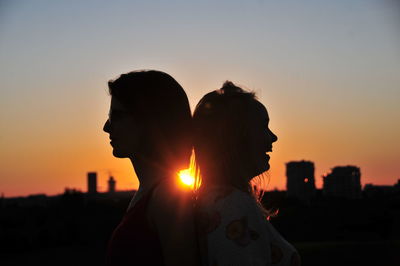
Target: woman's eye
(116, 114)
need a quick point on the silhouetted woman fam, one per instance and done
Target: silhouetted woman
(150, 123)
(231, 141)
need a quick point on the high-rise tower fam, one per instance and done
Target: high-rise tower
(300, 180)
(343, 182)
(92, 182)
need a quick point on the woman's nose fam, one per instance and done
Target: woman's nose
(273, 136)
(106, 127)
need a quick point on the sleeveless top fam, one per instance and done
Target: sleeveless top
(234, 231)
(134, 242)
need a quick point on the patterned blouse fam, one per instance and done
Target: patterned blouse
(234, 231)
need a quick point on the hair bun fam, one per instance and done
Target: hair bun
(229, 88)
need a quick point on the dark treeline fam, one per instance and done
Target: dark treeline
(365, 230)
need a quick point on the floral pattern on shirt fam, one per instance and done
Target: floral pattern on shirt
(239, 232)
(234, 231)
(208, 222)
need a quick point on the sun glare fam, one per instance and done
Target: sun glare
(186, 178)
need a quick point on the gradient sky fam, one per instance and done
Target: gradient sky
(327, 71)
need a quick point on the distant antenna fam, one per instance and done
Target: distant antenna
(111, 181)
(109, 170)
(111, 185)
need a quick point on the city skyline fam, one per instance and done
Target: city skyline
(328, 73)
(297, 172)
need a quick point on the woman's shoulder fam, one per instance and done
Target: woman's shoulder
(166, 194)
(227, 205)
(224, 197)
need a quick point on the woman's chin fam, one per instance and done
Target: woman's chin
(265, 167)
(119, 154)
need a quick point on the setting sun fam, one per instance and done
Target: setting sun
(186, 177)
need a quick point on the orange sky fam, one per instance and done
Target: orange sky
(55, 154)
(328, 74)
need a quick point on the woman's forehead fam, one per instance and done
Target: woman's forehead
(260, 111)
(116, 104)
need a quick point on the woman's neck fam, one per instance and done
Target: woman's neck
(148, 172)
(212, 181)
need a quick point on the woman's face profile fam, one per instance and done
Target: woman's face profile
(123, 129)
(259, 141)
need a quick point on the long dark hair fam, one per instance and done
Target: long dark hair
(160, 104)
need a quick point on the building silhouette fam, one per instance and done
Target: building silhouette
(397, 185)
(92, 182)
(300, 182)
(343, 182)
(371, 190)
(111, 184)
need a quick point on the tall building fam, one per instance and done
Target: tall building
(300, 182)
(92, 182)
(111, 184)
(397, 185)
(343, 182)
